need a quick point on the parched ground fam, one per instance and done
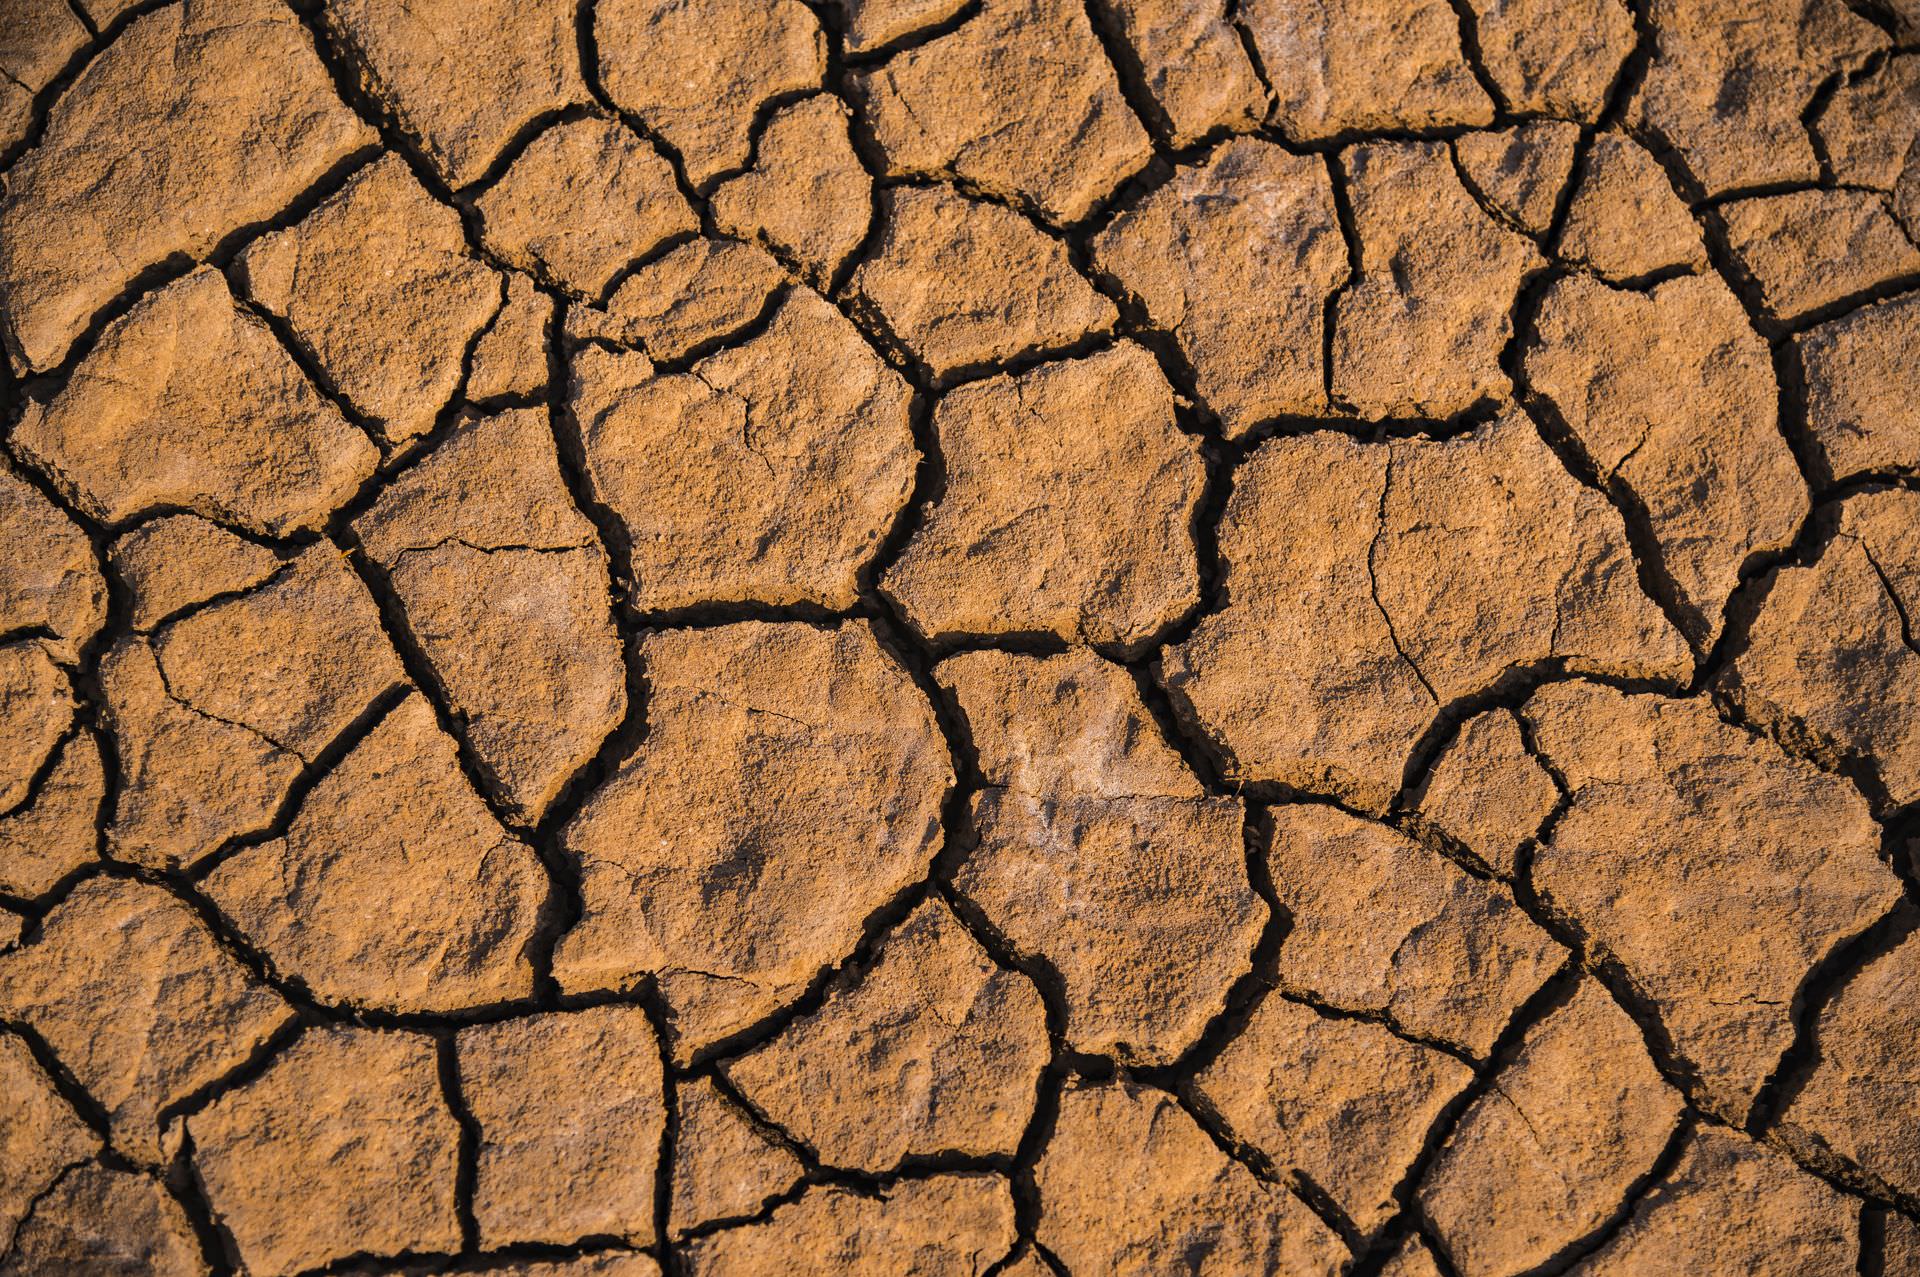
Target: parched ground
(943, 637)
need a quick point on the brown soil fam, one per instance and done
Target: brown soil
(942, 637)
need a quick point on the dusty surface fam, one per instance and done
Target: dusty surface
(958, 637)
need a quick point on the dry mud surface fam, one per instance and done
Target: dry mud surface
(944, 637)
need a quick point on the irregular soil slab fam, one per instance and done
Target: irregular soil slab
(1731, 1205)
(504, 584)
(789, 784)
(1732, 79)
(1557, 57)
(1420, 331)
(1130, 1184)
(768, 472)
(463, 78)
(1100, 855)
(1067, 509)
(932, 1050)
(510, 359)
(946, 1226)
(1830, 661)
(218, 712)
(965, 284)
(806, 196)
(1547, 1154)
(1812, 249)
(1870, 131)
(1683, 855)
(1671, 396)
(1235, 259)
(147, 420)
(242, 123)
(1382, 925)
(1489, 793)
(1194, 65)
(585, 198)
(726, 1166)
(391, 341)
(1342, 66)
(1020, 101)
(1860, 407)
(692, 297)
(50, 580)
(1520, 171)
(698, 73)
(570, 1112)
(1370, 584)
(55, 830)
(1343, 1102)
(108, 1222)
(41, 1137)
(1849, 1106)
(139, 1002)
(1625, 221)
(393, 886)
(344, 1146)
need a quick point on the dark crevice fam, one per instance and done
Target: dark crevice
(516, 145)
(182, 1182)
(1880, 14)
(258, 1060)
(666, 1161)
(1251, 989)
(44, 771)
(640, 262)
(1703, 204)
(866, 59)
(45, 385)
(1571, 934)
(1489, 208)
(1476, 61)
(1633, 70)
(1656, 581)
(1135, 88)
(1350, 232)
(1900, 286)
(305, 358)
(467, 1163)
(764, 112)
(84, 18)
(739, 335)
(1873, 1243)
(1825, 981)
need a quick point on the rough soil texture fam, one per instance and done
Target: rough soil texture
(940, 638)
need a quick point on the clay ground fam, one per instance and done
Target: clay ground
(943, 637)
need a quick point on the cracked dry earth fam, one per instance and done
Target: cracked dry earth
(940, 637)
